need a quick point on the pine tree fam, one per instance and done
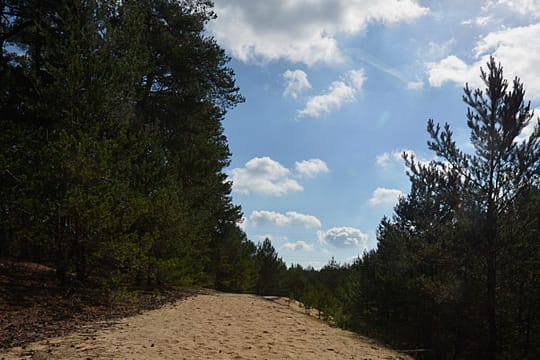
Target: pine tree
(114, 145)
(271, 270)
(480, 188)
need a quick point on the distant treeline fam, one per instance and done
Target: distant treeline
(111, 171)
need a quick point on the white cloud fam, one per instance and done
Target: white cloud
(415, 85)
(480, 21)
(243, 223)
(383, 159)
(453, 69)
(311, 167)
(513, 47)
(296, 83)
(343, 237)
(264, 176)
(439, 50)
(302, 31)
(297, 246)
(528, 130)
(396, 157)
(340, 92)
(383, 196)
(523, 7)
(290, 218)
(356, 78)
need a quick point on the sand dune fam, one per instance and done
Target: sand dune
(212, 326)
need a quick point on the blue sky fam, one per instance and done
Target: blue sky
(337, 90)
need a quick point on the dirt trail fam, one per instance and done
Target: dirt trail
(212, 326)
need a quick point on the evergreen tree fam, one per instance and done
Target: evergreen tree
(184, 95)
(114, 149)
(447, 248)
(500, 169)
(271, 270)
(233, 264)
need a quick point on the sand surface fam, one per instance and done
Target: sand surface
(212, 326)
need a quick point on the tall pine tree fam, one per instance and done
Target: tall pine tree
(452, 248)
(113, 148)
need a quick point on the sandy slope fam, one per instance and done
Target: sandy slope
(213, 326)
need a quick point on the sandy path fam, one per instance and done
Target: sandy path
(216, 326)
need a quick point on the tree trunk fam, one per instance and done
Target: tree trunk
(492, 306)
(491, 233)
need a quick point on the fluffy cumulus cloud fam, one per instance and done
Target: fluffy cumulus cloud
(383, 196)
(264, 176)
(343, 237)
(512, 47)
(310, 168)
(296, 81)
(453, 69)
(297, 246)
(290, 218)
(302, 31)
(339, 93)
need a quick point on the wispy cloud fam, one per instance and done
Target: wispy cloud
(480, 21)
(379, 65)
(439, 50)
(415, 85)
(296, 81)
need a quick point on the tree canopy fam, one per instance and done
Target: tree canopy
(113, 148)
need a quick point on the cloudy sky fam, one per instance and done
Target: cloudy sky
(337, 90)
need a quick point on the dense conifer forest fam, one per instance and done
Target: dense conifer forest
(113, 148)
(112, 173)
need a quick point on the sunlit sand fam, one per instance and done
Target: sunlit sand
(212, 326)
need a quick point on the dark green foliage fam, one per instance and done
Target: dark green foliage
(234, 265)
(112, 144)
(328, 290)
(271, 270)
